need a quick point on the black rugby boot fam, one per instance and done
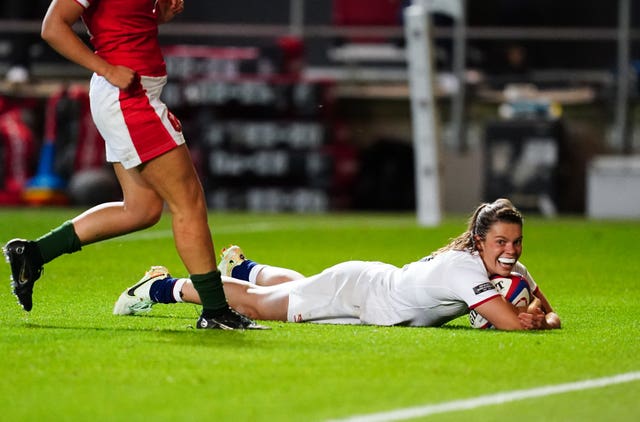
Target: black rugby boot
(229, 320)
(26, 267)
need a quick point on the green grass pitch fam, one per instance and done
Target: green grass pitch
(70, 359)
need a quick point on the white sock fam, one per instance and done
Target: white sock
(177, 289)
(253, 273)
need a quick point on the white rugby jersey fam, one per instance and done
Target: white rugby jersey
(427, 293)
(433, 292)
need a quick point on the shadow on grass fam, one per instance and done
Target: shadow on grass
(491, 330)
(161, 338)
(146, 333)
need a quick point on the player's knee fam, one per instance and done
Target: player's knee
(153, 215)
(188, 211)
(145, 216)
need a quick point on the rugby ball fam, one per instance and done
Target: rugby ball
(514, 288)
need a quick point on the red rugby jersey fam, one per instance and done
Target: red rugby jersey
(125, 32)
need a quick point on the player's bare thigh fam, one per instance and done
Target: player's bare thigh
(173, 176)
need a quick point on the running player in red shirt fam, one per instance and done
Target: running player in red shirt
(144, 142)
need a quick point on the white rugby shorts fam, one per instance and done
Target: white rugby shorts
(341, 294)
(135, 124)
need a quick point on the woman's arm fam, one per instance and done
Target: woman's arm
(501, 314)
(551, 320)
(57, 31)
(504, 316)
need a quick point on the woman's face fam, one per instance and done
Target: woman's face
(501, 248)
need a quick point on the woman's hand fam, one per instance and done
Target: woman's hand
(168, 9)
(120, 76)
(534, 320)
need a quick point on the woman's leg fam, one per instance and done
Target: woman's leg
(258, 302)
(141, 208)
(174, 178)
(269, 275)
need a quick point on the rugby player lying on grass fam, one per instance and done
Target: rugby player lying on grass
(427, 293)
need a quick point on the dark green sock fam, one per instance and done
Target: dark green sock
(58, 241)
(209, 287)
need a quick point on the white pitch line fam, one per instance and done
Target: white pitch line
(488, 400)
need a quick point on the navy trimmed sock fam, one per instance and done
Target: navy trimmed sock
(242, 270)
(161, 291)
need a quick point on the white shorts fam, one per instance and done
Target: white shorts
(135, 124)
(342, 294)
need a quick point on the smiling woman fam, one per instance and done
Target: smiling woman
(430, 292)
